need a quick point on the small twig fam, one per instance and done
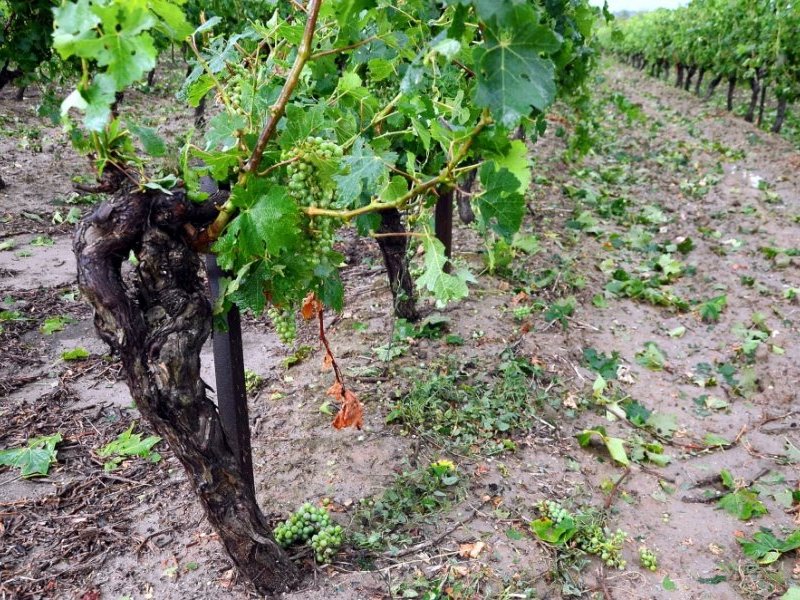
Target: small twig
(336, 371)
(439, 538)
(347, 48)
(398, 234)
(655, 473)
(615, 488)
(149, 537)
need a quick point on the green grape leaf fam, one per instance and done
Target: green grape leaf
(662, 424)
(330, 289)
(615, 446)
(152, 143)
(269, 219)
(364, 171)
(78, 353)
(95, 102)
(512, 76)
(124, 48)
(34, 458)
(74, 22)
(301, 122)
(501, 205)
(502, 10)
(711, 310)
(247, 290)
(444, 286)
(517, 161)
(551, 532)
(219, 163)
(197, 89)
(766, 548)
(222, 130)
(128, 444)
(276, 218)
(742, 504)
(173, 21)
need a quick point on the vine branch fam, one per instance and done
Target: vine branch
(292, 79)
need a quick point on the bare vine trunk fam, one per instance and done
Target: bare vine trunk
(780, 115)
(700, 77)
(761, 103)
(394, 248)
(679, 77)
(687, 84)
(712, 87)
(731, 90)
(755, 88)
(157, 319)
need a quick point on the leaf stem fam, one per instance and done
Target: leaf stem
(347, 48)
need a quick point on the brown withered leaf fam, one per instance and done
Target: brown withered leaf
(327, 362)
(351, 413)
(311, 306)
(471, 550)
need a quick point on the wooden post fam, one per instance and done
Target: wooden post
(229, 372)
(443, 224)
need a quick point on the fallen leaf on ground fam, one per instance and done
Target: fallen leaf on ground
(471, 550)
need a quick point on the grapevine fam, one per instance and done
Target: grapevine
(304, 139)
(733, 41)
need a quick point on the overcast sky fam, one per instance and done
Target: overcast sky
(615, 5)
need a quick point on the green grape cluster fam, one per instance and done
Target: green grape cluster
(308, 190)
(304, 184)
(593, 540)
(553, 511)
(313, 525)
(239, 77)
(648, 558)
(327, 542)
(284, 323)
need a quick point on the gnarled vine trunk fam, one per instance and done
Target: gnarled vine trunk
(780, 115)
(712, 86)
(157, 319)
(731, 90)
(393, 243)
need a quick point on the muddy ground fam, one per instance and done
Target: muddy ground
(711, 384)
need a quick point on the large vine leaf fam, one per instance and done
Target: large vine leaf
(34, 458)
(364, 171)
(501, 205)
(512, 76)
(444, 286)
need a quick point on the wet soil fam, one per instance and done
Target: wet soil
(137, 532)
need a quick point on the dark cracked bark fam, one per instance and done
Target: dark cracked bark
(755, 88)
(394, 248)
(158, 319)
(731, 90)
(780, 115)
(712, 86)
